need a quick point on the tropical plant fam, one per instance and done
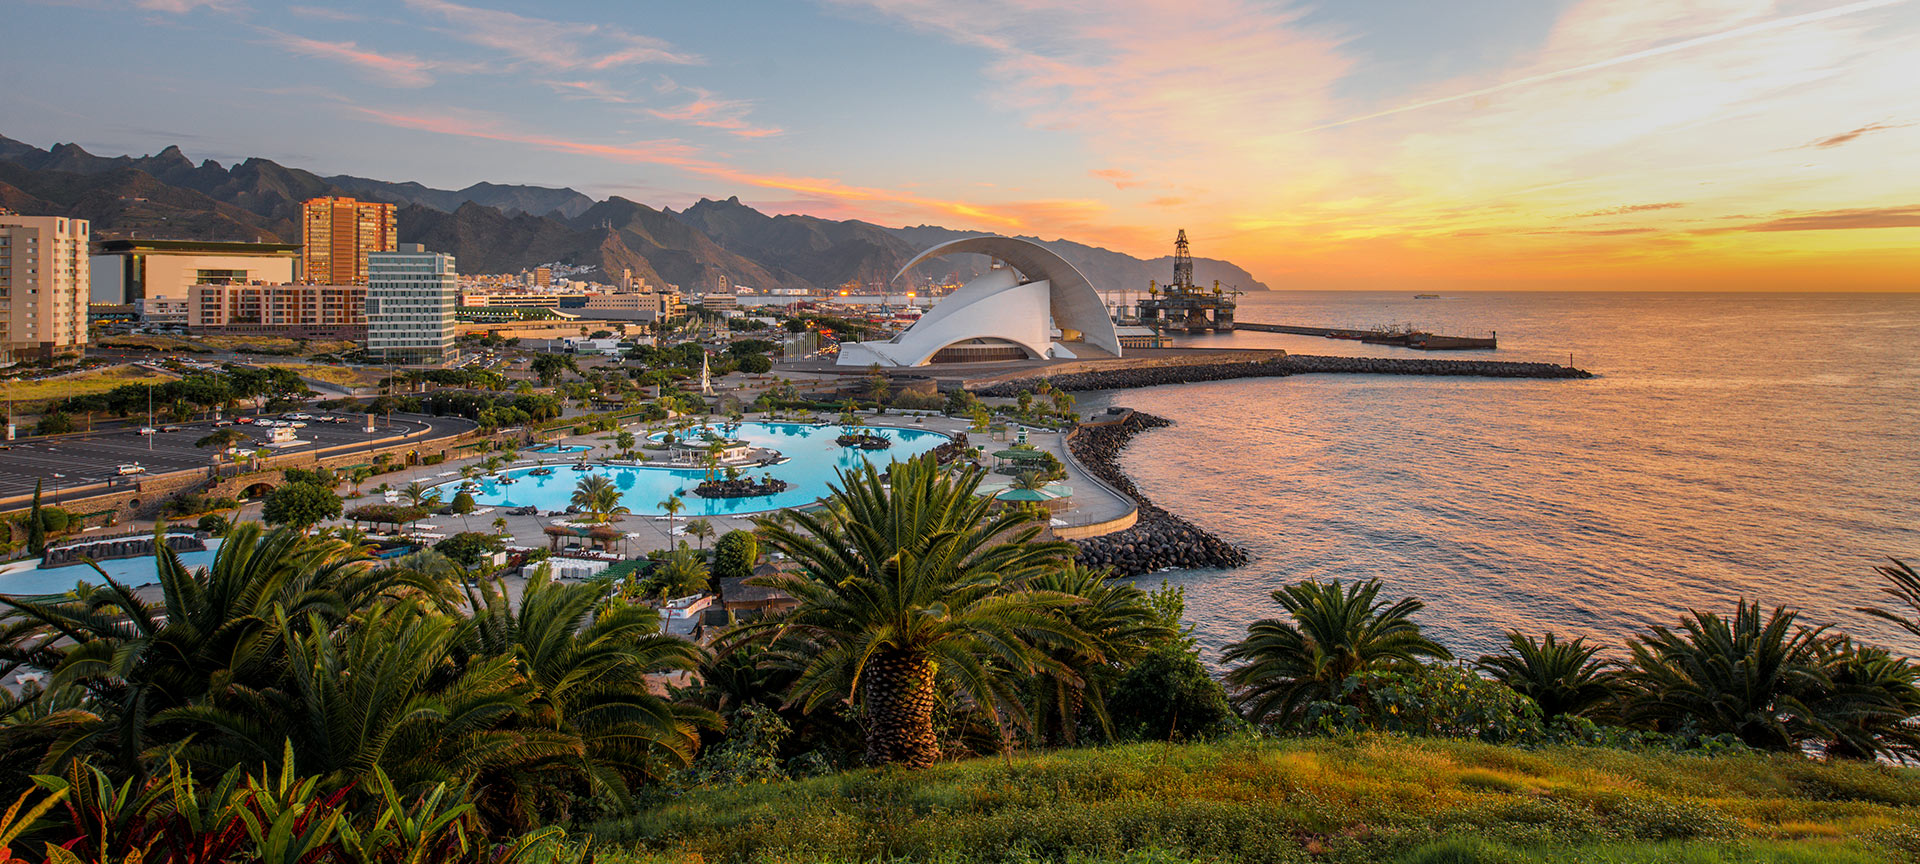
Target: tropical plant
(911, 591)
(420, 496)
(360, 476)
(221, 627)
(300, 505)
(1334, 633)
(598, 497)
(625, 440)
(671, 507)
(702, 530)
(223, 438)
(1906, 589)
(1560, 677)
(1119, 627)
(1774, 684)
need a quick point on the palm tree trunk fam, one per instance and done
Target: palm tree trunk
(900, 702)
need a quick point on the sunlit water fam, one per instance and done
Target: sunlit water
(1760, 446)
(815, 461)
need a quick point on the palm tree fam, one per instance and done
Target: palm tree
(221, 439)
(223, 626)
(671, 507)
(910, 591)
(1560, 677)
(625, 441)
(588, 664)
(702, 530)
(599, 498)
(1335, 634)
(1905, 588)
(359, 476)
(1119, 628)
(1750, 676)
(420, 496)
(500, 525)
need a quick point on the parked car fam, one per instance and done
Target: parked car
(169, 428)
(222, 423)
(148, 430)
(132, 469)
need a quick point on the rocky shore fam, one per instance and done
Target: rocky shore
(1292, 364)
(1159, 540)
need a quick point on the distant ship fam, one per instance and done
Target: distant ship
(1426, 296)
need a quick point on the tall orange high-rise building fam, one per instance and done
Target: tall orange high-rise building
(338, 234)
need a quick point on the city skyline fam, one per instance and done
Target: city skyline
(1702, 144)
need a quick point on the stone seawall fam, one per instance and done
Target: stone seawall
(1295, 364)
(1158, 539)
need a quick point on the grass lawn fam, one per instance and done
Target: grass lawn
(1378, 799)
(341, 376)
(83, 383)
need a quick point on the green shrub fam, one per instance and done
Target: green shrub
(1168, 695)
(213, 523)
(734, 555)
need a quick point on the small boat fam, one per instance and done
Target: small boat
(541, 472)
(1426, 296)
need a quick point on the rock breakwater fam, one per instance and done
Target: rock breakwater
(1158, 540)
(1122, 378)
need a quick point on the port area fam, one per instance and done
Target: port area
(975, 375)
(1403, 338)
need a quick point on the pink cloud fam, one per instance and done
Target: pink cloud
(397, 70)
(1120, 179)
(560, 45)
(682, 156)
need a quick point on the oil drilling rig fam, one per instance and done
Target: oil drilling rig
(1182, 306)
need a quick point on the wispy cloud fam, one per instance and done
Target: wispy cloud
(1630, 208)
(549, 44)
(323, 13)
(393, 69)
(1850, 135)
(182, 7)
(685, 157)
(1122, 180)
(1835, 220)
(707, 110)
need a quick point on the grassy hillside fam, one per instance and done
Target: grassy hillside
(1376, 799)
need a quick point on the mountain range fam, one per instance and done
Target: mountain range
(493, 228)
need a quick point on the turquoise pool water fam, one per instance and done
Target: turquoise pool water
(132, 572)
(814, 461)
(561, 448)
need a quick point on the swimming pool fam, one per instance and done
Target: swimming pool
(813, 456)
(131, 572)
(561, 448)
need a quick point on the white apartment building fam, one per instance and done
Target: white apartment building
(44, 279)
(412, 295)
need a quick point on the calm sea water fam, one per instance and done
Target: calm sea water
(1762, 446)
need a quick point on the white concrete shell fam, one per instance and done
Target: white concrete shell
(997, 307)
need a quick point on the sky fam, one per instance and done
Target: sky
(1342, 144)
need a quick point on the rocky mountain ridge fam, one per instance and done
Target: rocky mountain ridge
(493, 228)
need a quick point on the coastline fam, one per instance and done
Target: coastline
(1158, 540)
(1280, 367)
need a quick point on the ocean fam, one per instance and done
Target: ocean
(1760, 446)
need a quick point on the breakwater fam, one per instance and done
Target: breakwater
(1159, 539)
(1125, 377)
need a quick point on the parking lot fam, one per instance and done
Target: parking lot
(71, 461)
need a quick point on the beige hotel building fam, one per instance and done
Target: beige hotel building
(44, 283)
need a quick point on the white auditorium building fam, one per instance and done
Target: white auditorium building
(1036, 306)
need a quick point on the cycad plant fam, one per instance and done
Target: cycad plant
(1332, 634)
(1751, 676)
(1906, 589)
(1563, 678)
(911, 592)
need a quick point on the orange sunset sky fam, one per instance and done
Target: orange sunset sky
(1498, 144)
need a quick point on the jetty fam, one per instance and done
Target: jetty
(1408, 338)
